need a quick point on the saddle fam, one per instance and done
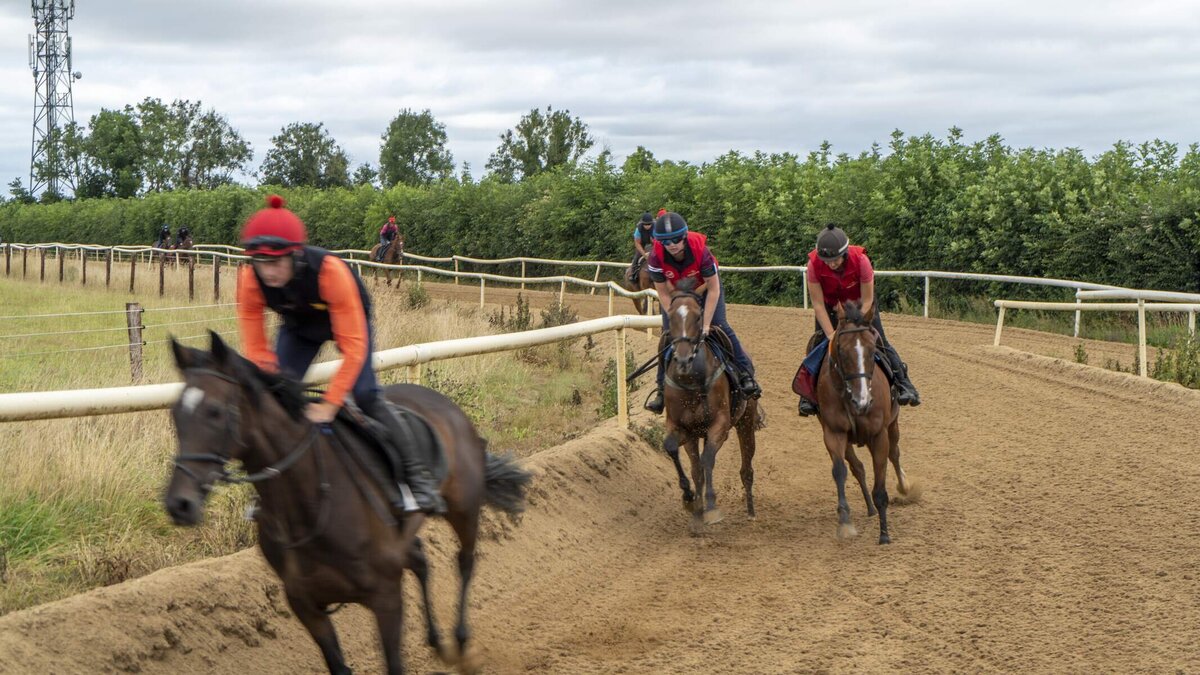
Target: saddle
(379, 463)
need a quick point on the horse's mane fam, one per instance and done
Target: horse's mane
(291, 394)
(686, 288)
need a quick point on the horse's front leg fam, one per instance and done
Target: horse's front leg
(692, 445)
(321, 629)
(717, 435)
(671, 447)
(879, 444)
(835, 443)
(860, 475)
(388, 608)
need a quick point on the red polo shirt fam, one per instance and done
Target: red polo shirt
(843, 284)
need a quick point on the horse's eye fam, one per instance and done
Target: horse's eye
(212, 413)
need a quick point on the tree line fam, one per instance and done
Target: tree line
(155, 147)
(1129, 216)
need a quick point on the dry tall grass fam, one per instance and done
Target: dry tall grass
(79, 501)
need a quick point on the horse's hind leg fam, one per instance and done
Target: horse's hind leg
(902, 482)
(466, 526)
(860, 474)
(321, 629)
(746, 440)
(671, 447)
(419, 564)
(879, 460)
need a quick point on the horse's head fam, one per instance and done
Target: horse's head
(686, 316)
(853, 355)
(219, 386)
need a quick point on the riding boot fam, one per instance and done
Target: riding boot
(807, 408)
(749, 385)
(655, 403)
(417, 486)
(906, 393)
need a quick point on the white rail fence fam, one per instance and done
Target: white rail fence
(85, 402)
(218, 252)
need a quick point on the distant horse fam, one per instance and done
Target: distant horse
(699, 406)
(322, 525)
(857, 409)
(637, 278)
(185, 245)
(394, 255)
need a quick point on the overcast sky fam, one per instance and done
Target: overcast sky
(689, 79)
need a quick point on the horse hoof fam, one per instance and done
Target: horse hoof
(688, 503)
(447, 655)
(713, 517)
(884, 539)
(471, 663)
(846, 531)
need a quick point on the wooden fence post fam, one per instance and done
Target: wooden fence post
(7, 260)
(456, 271)
(1142, 367)
(132, 270)
(62, 259)
(133, 316)
(162, 275)
(24, 261)
(216, 278)
(999, 327)
(42, 273)
(596, 279)
(108, 268)
(83, 255)
(191, 265)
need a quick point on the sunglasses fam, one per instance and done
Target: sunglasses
(673, 240)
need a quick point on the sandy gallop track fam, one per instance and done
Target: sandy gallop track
(1056, 533)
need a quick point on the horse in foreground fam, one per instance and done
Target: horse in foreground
(857, 409)
(323, 525)
(700, 405)
(392, 255)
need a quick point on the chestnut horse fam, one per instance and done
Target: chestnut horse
(641, 283)
(394, 255)
(698, 405)
(857, 409)
(321, 523)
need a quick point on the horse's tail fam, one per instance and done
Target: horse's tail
(505, 482)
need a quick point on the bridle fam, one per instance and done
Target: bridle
(698, 342)
(836, 361)
(222, 474)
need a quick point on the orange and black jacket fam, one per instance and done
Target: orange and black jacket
(325, 300)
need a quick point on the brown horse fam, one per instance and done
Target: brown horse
(699, 406)
(857, 409)
(321, 524)
(640, 283)
(394, 255)
(185, 245)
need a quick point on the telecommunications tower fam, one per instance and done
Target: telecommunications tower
(53, 106)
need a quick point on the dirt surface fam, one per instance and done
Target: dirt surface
(1054, 533)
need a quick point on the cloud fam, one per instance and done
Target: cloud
(689, 80)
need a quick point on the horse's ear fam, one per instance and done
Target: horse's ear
(869, 316)
(840, 310)
(220, 350)
(183, 356)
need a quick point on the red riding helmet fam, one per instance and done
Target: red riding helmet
(273, 231)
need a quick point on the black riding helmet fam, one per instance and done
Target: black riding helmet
(670, 225)
(647, 220)
(832, 243)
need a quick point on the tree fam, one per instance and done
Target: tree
(541, 141)
(184, 146)
(112, 155)
(414, 150)
(19, 194)
(639, 161)
(304, 153)
(365, 174)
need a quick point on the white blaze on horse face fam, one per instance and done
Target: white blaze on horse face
(864, 388)
(191, 398)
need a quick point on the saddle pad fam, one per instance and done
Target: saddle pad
(418, 434)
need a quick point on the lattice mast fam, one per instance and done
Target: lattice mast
(53, 105)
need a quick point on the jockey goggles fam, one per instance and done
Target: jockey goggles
(269, 247)
(674, 240)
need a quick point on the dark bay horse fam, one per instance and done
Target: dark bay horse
(639, 283)
(185, 245)
(321, 526)
(699, 407)
(394, 255)
(857, 409)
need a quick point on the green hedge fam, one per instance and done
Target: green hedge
(1128, 216)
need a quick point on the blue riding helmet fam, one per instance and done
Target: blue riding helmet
(670, 226)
